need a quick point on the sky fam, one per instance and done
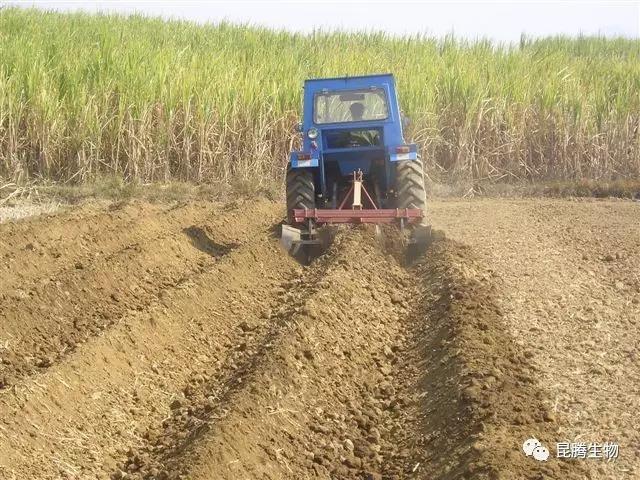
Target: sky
(502, 21)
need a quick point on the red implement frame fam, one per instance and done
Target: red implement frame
(385, 215)
(357, 214)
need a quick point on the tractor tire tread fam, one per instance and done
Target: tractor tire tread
(300, 190)
(410, 185)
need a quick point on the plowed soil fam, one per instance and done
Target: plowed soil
(146, 341)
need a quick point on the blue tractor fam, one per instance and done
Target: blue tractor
(354, 166)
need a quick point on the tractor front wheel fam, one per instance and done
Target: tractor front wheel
(300, 190)
(410, 185)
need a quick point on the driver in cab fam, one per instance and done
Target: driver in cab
(358, 138)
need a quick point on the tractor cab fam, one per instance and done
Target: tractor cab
(354, 165)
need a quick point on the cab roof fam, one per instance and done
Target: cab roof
(358, 81)
(375, 75)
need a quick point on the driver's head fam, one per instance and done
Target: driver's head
(357, 111)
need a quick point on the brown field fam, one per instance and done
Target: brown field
(154, 341)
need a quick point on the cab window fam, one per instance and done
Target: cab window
(350, 106)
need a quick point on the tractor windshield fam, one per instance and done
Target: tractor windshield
(350, 106)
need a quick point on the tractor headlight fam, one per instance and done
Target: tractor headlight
(312, 133)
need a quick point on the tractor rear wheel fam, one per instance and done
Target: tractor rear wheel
(300, 190)
(410, 185)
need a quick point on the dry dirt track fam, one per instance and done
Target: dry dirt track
(146, 341)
